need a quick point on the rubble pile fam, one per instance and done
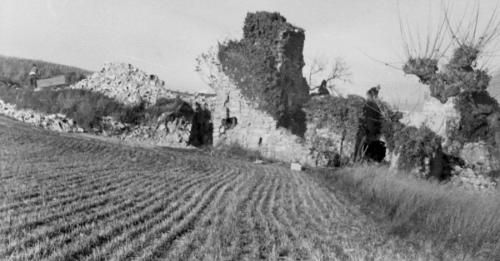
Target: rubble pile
(174, 133)
(173, 127)
(470, 180)
(55, 122)
(131, 86)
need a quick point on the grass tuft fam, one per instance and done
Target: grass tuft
(447, 214)
(235, 150)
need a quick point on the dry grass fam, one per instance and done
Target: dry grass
(453, 218)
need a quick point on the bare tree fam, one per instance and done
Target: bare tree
(208, 66)
(320, 69)
(316, 66)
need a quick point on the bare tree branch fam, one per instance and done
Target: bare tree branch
(339, 71)
(320, 69)
(317, 66)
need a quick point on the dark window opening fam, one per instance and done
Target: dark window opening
(374, 150)
(202, 127)
(229, 123)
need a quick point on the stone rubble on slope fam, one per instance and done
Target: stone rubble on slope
(174, 133)
(468, 179)
(56, 122)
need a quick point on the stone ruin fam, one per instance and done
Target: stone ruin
(185, 118)
(263, 102)
(266, 66)
(260, 90)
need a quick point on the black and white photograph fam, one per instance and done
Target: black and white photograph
(275, 130)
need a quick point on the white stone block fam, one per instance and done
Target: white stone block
(295, 166)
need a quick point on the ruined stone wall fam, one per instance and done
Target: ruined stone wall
(254, 129)
(260, 90)
(334, 128)
(266, 65)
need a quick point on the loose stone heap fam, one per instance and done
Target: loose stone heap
(183, 122)
(131, 86)
(56, 122)
(173, 128)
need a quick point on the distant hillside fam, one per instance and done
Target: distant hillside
(13, 69)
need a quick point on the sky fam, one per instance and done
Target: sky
(165, 37)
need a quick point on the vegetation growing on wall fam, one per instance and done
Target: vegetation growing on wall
(253, 70)
(336, 111)
(341, 115)
(265, 63)
(414, 145)
(88, 108)
(460, 77)
(477, 110)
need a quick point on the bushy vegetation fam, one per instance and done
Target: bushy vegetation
(236, 151)
(476, 109)
(252, 64)
(454, 219)
(390, 125)
(342, 115)
(17, 70)
(414, 144)
(87, 108)
(253, 70)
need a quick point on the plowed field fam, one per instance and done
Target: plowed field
(66, 197)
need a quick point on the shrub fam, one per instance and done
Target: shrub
(475, 108)
(390, 125)
(343, 113)
(235, 150)
(414, 145)
(85, 107)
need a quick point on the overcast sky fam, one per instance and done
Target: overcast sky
(164, 37)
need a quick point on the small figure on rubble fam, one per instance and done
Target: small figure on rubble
(33, 75)
(322, 90)
(372, 93)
